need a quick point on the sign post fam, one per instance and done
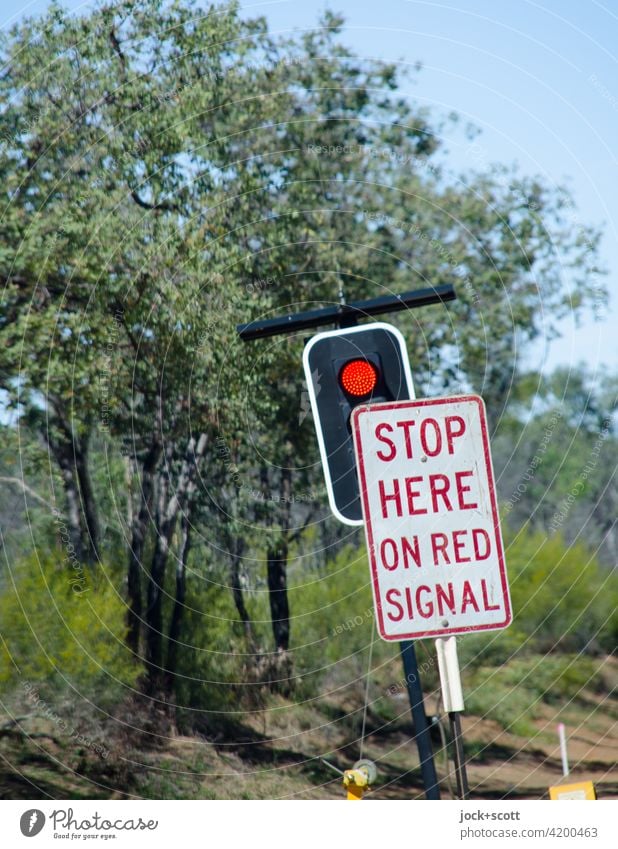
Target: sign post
(563, 748)
(421, 728)
(452, 698)
(432, 527)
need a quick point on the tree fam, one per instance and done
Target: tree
(557, 468)
(157, 161)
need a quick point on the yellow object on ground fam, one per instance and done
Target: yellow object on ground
(583, 790)
(357, 780)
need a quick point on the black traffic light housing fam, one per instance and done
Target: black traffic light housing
(377, 361)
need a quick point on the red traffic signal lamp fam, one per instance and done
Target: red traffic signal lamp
(358, 378)
(345, 368)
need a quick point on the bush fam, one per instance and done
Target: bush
(563, 602)
(333, 625)
(562, 597)
(62, 628)
(211, 676)
(513, 695)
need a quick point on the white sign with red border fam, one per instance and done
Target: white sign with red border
(431, 517)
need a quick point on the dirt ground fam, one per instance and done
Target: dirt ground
(278, 752)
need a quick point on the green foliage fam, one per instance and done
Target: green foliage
(333, 625)
(212, 665)
(62, 629)
(513, 695)
(563, 600)
(169, 157)
(557, 467)
(23, 461)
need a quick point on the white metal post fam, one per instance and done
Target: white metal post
(450, 679)
(563, 748)
(452, 698)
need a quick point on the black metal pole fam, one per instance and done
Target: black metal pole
(345, 315)
(460, 762)
(421, 729)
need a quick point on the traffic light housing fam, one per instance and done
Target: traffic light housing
(345, 368)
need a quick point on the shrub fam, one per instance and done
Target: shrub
(210, 678)
(63, 628)
(333, 625)
(562, 597)
(513, 694)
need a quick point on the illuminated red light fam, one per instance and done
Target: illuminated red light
(358, 378)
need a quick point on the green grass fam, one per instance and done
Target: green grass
(514, 694)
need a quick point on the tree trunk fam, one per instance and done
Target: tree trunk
(165, 518)
(71, 454)
(278, 596)
(164, 530)
(179, 601)
(89, 507)
(63, 453)
(237, 593)
(278, 560)
(277, 556)
(136, 551)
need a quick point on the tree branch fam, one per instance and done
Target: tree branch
(26, 489)
(162, 205)
(118, 51)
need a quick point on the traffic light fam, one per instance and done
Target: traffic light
(345, 368)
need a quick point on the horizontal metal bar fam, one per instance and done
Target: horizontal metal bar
(343, 312)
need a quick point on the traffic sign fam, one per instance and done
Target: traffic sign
(431, 517)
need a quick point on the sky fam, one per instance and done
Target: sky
(540, 80)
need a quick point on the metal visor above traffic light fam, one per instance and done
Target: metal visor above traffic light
(345, 368)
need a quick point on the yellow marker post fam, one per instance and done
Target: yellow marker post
(582, 790)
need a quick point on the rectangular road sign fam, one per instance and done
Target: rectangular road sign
(431, 517)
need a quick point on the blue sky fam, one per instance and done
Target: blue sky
(540, 79)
